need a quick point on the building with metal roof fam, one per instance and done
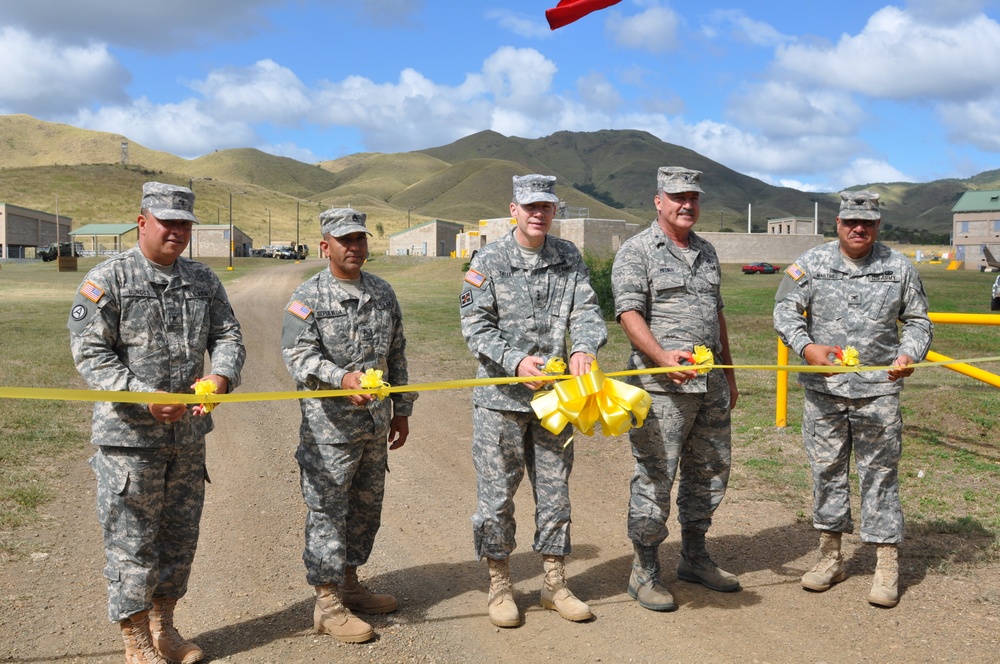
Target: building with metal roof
(975, 226)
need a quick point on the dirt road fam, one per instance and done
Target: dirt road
(249, 601)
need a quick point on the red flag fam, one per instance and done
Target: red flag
(571, 10)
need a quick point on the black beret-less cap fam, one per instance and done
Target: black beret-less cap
(678, 180)
(535, 189)
(861, 205)
(168, 201)
(338, 222)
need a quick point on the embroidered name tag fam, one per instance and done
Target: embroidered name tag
(885, 276)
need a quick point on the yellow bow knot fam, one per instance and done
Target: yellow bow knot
(702, 357)
(372, 380)
(556, 366)
(205, 387)
(586, 400)
(847, 357)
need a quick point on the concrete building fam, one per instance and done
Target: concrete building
(212, 240)
(792, 226)
(23, 230)
(976, 224)
(433, 238)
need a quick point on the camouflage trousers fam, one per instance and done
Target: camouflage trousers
(149, 503)
(686, 430)
(504, 444)
(342, 485)
(873, 427)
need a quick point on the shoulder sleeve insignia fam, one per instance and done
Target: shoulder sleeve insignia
(795, 272)
(299, 310)
(91, 291)
(465, 299)
(475, 278)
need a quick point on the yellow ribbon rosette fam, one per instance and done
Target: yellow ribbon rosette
(372, 380)
(702, 357)
(847, 356)
(556, 366)
(203, 388)
(586, 400)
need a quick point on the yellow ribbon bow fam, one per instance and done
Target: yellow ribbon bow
(847, 357)
(205, 387)
(372, 380)
(556, 366)
(585, 400)
(702, 357)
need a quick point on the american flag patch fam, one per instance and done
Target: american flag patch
(296, 308)
(90, 291)
(475, 278)
(794, 271)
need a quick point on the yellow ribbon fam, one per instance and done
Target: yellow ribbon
(372, 380)
(703, 358)
(556, 366)
(204, 388)
(586, 400)
(848, 357)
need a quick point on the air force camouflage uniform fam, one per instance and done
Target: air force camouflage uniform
(134, 329)
(511, 310)
(688, 424)
(342, 454)
(822, 301)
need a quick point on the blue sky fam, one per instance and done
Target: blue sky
(813, 94)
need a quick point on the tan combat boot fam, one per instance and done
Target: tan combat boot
(830, 568)
(358, 598)
(138, 642)
(331, 617)
(645, 585)
(884, 590)
(502, 608)
(166, 638)
(696, 566)
(555, 594)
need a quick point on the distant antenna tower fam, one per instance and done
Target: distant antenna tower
(124, 158)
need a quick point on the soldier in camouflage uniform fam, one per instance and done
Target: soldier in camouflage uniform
(522, 295)
(142, 322)
(852, 292)
(339, 324)
(667, 299)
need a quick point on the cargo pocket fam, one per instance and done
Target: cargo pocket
(111, 491)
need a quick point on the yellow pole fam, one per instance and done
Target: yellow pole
(781, 398)
(964, 319)
(966, 369)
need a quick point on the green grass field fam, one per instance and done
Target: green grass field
(950, 471)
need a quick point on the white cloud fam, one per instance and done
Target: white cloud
(520, 24)
(781, 109)
(743, 28)
(41, 76)
(899, 57)
(653, 30)
(265, 92)
(976, 123)
(290, 150)
(865, 171)
(950, 11)
(182, 129)
(597, 92)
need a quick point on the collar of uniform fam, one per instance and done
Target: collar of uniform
(549, 255)
(329, 283)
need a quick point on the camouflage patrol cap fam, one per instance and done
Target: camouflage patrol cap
(859, 205)
(168, 201)
(534, 188)
(338, 222)
(678, 180)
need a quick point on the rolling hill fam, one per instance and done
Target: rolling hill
(610, 172)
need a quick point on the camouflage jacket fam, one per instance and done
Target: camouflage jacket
(329, 333)
(821, 301)
(511, 310)
(134, 329)
(679, 301)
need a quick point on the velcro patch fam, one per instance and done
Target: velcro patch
(466, 298)
(795, 272)
(475, 278)
(298, 309)
(91, 291)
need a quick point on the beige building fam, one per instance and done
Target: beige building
(975, 225)
(792, 226)
(434, 238)
(213, 240)
(23, 230)
(596, 236)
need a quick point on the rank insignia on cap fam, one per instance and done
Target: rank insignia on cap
(795, 272)
(298, 309)
(475, 278)
(91, 291)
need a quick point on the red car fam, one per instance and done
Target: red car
(760, 268)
